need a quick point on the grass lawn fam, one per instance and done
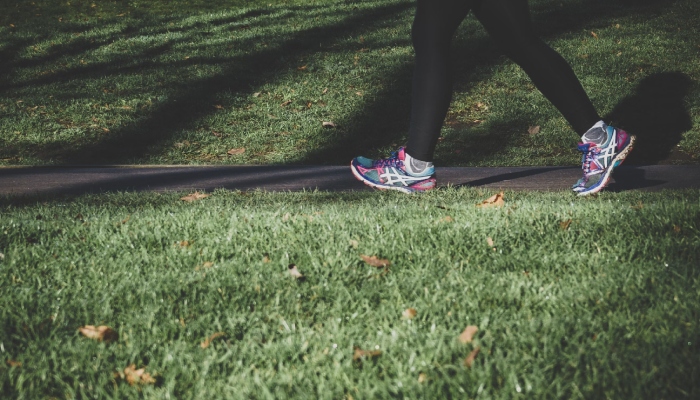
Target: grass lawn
(573, 297)
(184, 82)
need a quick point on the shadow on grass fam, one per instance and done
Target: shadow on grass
(656, 113)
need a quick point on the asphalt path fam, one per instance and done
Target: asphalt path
(23, 181)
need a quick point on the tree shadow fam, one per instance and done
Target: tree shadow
(378, 123)
(656, 113)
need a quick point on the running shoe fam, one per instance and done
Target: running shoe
(391, 174)
(599, 160)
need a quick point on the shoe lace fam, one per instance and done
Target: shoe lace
(391, 161)
(589, 155)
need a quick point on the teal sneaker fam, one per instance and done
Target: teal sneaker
(599, 161)
(391, 174)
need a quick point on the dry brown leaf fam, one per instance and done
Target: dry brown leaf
(294, 272)
(184, 243)
(328, 124)
(494, 201)
(638, 206)
(470, 358)
(286, 103)
(236, 151)
(210, 339)
(489, 241)
(325, 90)
(468, 334)
(375, 262)
(448, 219)
(256, 94)
(360, 354)
(266, 258)
(422, 377)
(14, 364)
(218, 106)
(303, 67)
(595, 35)
(206, 265)
(135, 376)
(564, 225)
(194, 197)
(533, 130)
(409, 313)
(676, 228)
(100, 333)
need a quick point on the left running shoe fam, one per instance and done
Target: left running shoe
(390, 173)
(599, 161)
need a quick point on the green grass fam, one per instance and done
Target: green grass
(183, 82)
(604, 308)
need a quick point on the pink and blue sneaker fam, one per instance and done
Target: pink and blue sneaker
(393, 173)
(599, 160)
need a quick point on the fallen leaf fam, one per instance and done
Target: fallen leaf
(286, 103)
(468, 335)
(206, 265)
(217, 134)
(236, 151)
(595, 35)
(328, 124)
(266, 258)
(375, 262)
(489, 241)
(422, 377)
(494, 201)
(448, 219)
(194, 197)
(470, 358)
(302, 68)
(676, 228)
(325, 90)
(100, 333)
(14, 364)
(564, 225)
(360, 354)
(210, 339)
(294, 272)
(184, 243)
(218, 106)
(137, 376)
(533, 130)
(256, 94)
(409, 313)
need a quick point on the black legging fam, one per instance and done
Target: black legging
(508, 24)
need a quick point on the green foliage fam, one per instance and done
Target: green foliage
(602, 306)
(185, 81)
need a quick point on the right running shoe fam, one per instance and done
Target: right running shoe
(599, 161)
(391, 174)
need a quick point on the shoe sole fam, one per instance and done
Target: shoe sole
(381, 187)
(617, 161)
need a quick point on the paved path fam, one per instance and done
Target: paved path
(17, 181)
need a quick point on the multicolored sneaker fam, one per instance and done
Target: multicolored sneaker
(390, 173)
(599, 161)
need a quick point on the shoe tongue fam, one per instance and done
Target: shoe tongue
(585, 146)
(402, 154)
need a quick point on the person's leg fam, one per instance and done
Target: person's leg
(508, 23)
(604, 147)
(433, 28)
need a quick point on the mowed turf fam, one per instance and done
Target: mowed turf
(573, 297)
(185, 82)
